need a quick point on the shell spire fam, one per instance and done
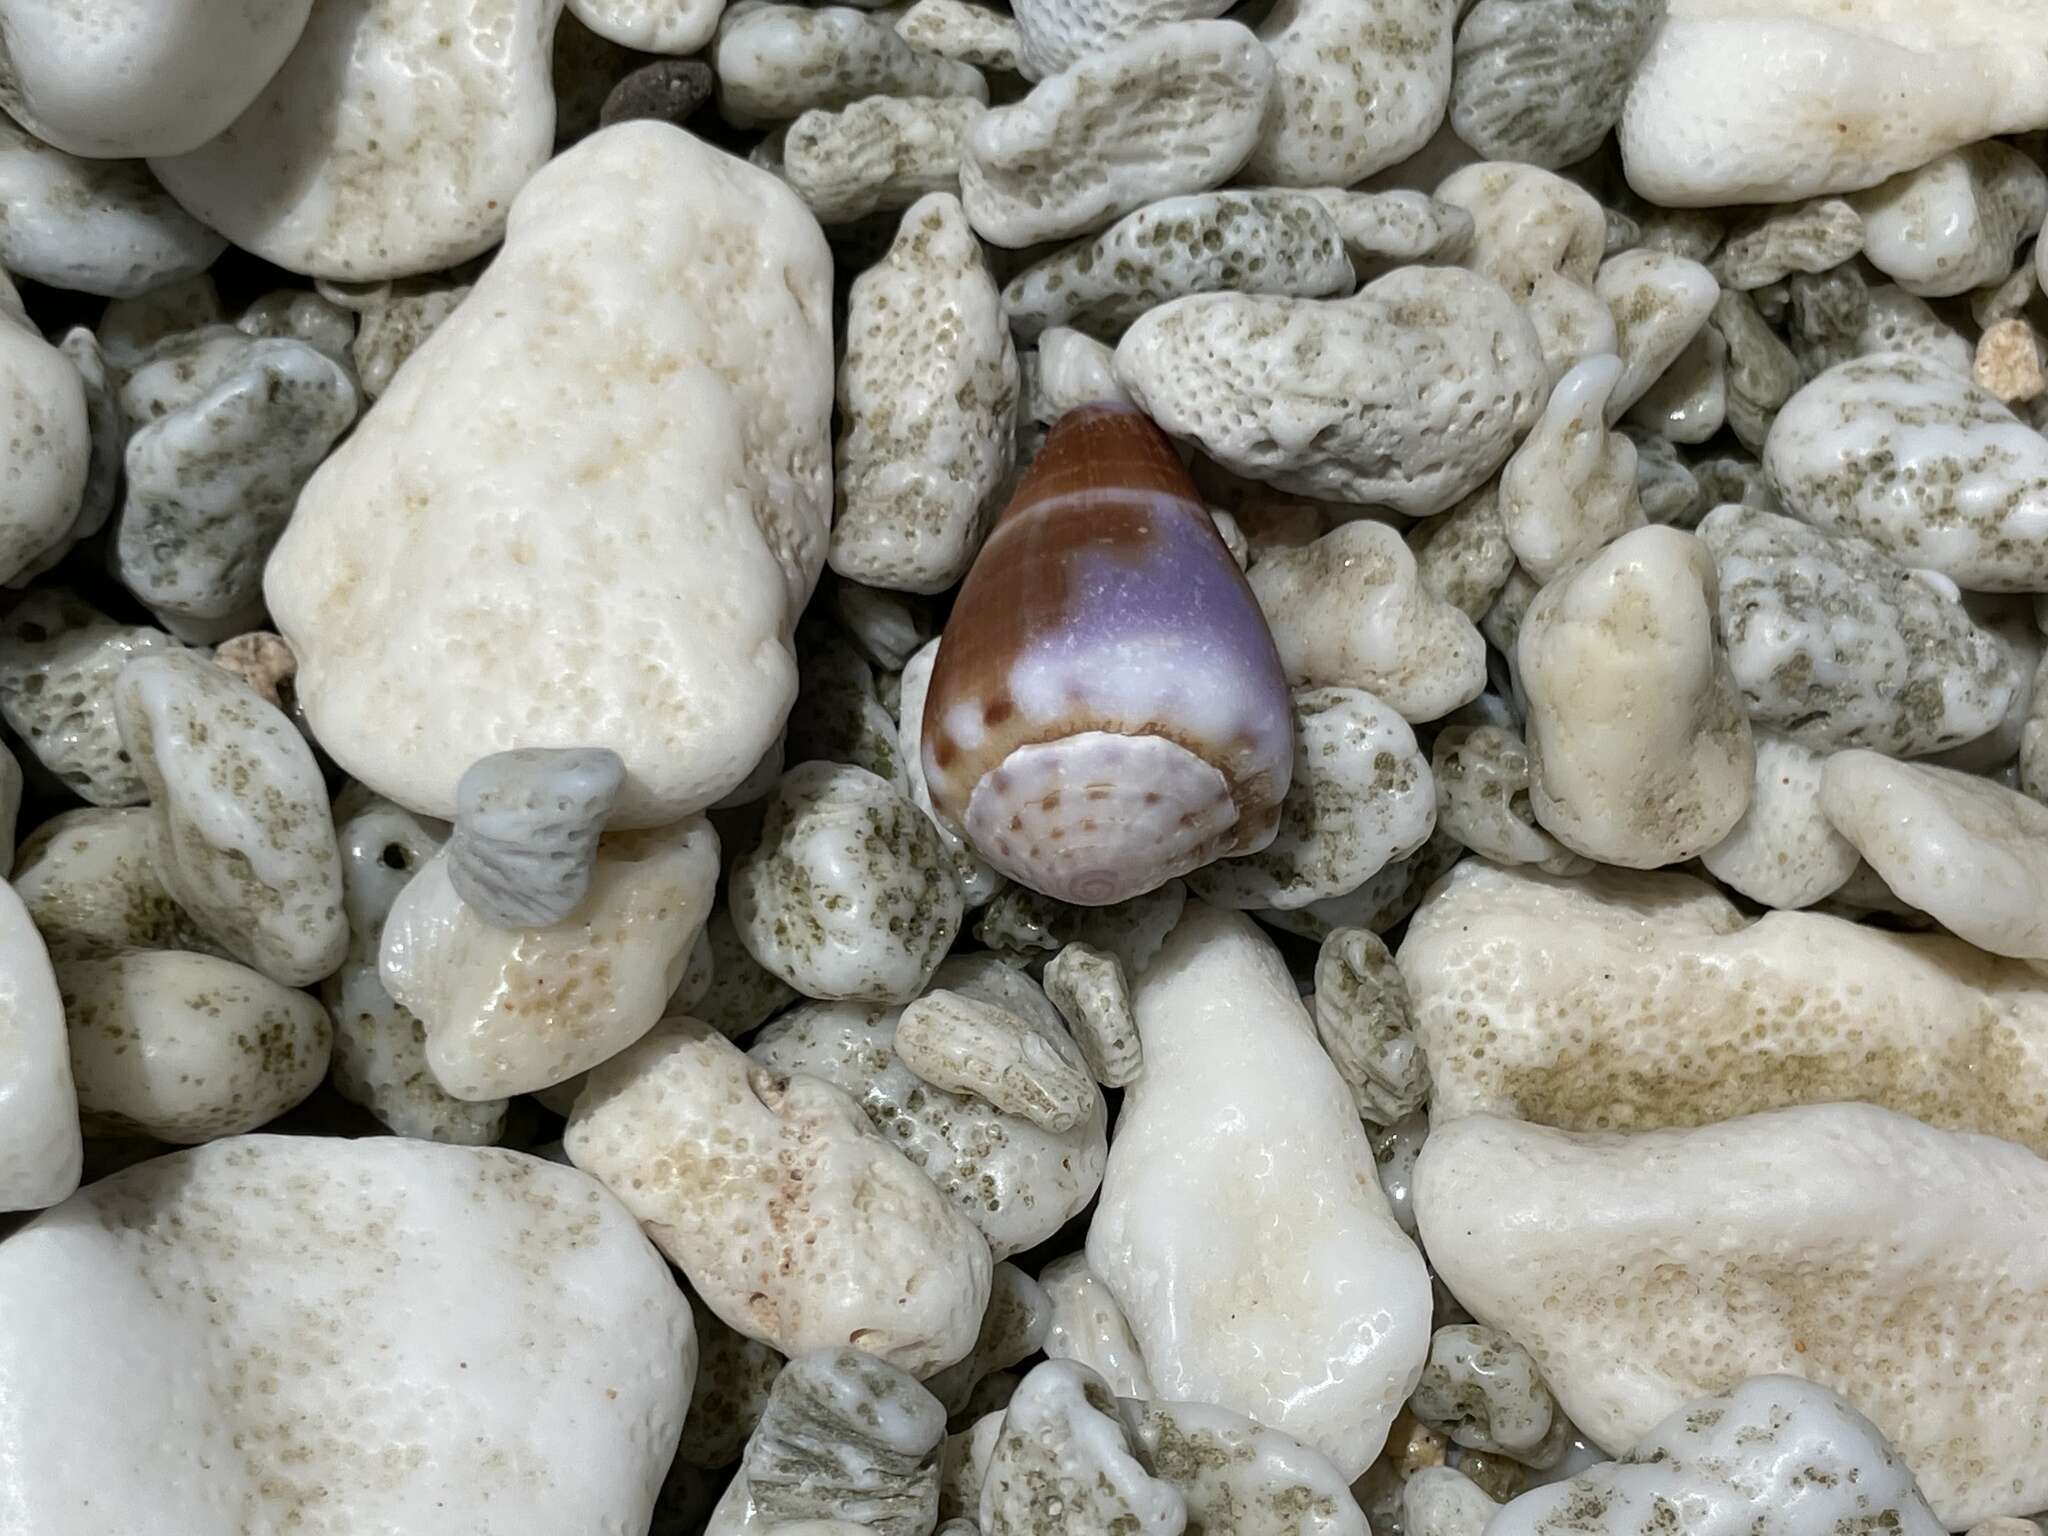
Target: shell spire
(1107, 709)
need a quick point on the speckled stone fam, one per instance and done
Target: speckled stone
(107, 430)
(137, 77)
(1362, 1018)
(1021, 922)
(1836, 317)
(1055, 35)
(1570, 487)
(1953, 224)
(1242, 242)
(1837, 645)
(1175, 110)
(846, 1435)
(1763, 372)
(1014, 1180)
(128, 328)
(1690, 1013)
(734, 1377)
(178, 368)
(974, 34)
(1360, 798)
(260, 872)
(837, 831)
(516, 1010)
(1723, 480)
(1482, 797)
(1385, 230)
(1412, 394)
(90, 884)
(1502, 625)
(514, 1294)
(1463, 556)
(391, 142)
(2033, 759)
(1825, 314)
(1090, 990)
(837, 717)
(1514, 1216)
(1776, 1455)
(1659, 302)
(1350, 611)
(1665, 484)
(1783, 853)
(1572, 324)
(968, 1046)
(380, 1048)
(1482, 1389)
(1086, 1325)
(1072, 370)
(212, 479)
(292, 314)
(1543, 82)
(1688, 402)
(1995, 754)
(393, 319)
(1897, 321)
(1014, 1328)
(1238, 1479)
(185, 1048)
(963, 1467)
(589, 614)
(1383, 901)
(877, 154)
(1932, 470)
(59, 659)
(928, 407)
(1442, 1501)
(1358, 85)
(742, 995)
(1527, 224)
(1735, 106)
(650, 26)
(1694, 233)
(775, 62)
(771, 1193)
(1809, 237)
(1062, 1462)
(47, 453)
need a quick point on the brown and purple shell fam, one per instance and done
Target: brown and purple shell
(1107, 709)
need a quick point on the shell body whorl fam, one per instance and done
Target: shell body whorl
(1107, 709)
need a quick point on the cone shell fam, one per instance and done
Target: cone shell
(1108, 709)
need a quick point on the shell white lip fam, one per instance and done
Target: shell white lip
(1098, 818)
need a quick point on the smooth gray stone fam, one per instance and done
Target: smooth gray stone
(526, 829)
